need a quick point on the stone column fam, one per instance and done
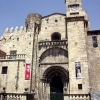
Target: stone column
(65, 88)
(40, 89)
(44, 89)
(47, 91)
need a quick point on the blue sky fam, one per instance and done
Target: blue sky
(14, 12)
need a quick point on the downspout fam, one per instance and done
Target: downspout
(17, 76)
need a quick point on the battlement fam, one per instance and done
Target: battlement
(16, 29)
(12, 32)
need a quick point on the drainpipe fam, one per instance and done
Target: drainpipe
(17, 76)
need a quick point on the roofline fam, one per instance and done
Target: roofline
(2, 52)
(54, 14)
(93, 31)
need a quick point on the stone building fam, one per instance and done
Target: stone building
(57, 53)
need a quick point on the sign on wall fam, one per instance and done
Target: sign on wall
(27, 72)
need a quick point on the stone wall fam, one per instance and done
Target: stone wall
(21, 41)
(51, 24)
(94, 61)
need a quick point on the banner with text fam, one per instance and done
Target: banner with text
(27, 72)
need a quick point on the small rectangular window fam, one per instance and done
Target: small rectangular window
(13, 54)
(4, 70)
(94, 40)
(80, 86)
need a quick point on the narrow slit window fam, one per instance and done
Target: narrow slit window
(94, 40)
(17, 39)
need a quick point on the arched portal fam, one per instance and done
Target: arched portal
(57, 79)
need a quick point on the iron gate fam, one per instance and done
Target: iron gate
(56, 96)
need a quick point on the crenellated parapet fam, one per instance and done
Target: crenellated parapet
(14, 30)
(11, 33)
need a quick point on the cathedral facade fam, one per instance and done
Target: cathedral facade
(57, 53)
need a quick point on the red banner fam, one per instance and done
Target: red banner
(27, 72)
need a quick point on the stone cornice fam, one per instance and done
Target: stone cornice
(78, 18)
(93, 32)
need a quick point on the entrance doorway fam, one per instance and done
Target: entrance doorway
(56, 88)
(56, 84)
(56, 76)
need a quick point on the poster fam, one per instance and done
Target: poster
(78, 69)
(27, 72)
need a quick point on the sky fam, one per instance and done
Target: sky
(14, 12)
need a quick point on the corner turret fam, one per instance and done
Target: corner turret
(32, 22)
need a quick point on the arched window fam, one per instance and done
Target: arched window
(56, 36)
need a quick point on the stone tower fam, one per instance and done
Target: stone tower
(51, 55)
(77, 26)
(33, 25)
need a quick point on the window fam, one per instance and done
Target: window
(17, 39)
(56, 36)
(4, 70)
(94, 39)
(80, 86)
(13, 54)
(56, 20)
